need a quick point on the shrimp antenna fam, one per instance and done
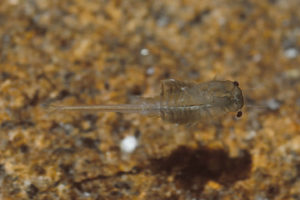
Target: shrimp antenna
(251, 105)
(256, 106)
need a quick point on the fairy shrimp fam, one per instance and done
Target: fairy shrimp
(181, 102)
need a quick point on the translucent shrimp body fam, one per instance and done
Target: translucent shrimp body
(182, 102)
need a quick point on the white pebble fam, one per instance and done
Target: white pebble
(128, 144)
(86, 194)
(273, 104)
(150, 71)
(291, 53)
(144, 52)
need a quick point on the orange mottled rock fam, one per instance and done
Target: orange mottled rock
(98, 52)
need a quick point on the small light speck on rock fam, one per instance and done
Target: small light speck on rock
(150, 71)
(257, 57)
(298, 102)
(162, 21)
(291, 53)
(128, 144)
(86, 194)
(144, 52)
(251, 134)
(13, 2)
(273, 104)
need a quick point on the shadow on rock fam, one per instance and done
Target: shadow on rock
(193, 168)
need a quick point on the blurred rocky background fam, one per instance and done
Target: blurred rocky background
(104, 51)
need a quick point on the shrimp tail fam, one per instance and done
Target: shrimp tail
(141, 108)
(122, 108)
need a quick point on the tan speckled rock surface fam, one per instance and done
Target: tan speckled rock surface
(98, 51)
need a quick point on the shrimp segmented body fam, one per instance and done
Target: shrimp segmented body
(182, 102)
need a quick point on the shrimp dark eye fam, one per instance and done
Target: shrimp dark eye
(235, 83)
(239, 114)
